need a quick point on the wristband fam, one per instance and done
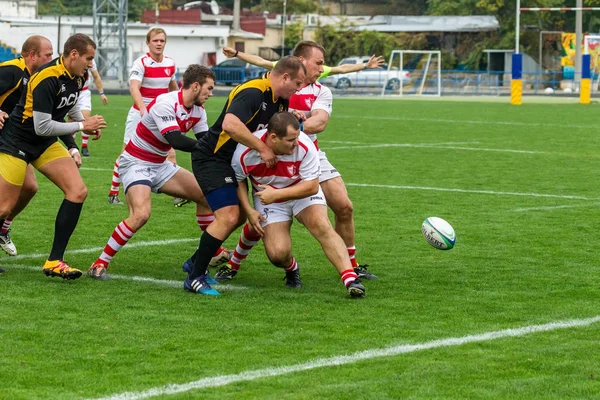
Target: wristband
(73, 151)
(101, 93)
(236, 53)
(80, 125)
(301, 125)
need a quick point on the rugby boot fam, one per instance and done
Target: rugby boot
(114, 199)
(292, 279)
(356, 289)
(199, 285)
(225, 273)
(98, 271)
(61, 269)
(362, 272)
(7, 244)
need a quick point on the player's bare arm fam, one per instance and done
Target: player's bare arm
(374, 62)
(303, 189)
(238, 131)
(173, 86)
(99, 86)
(254, 216)
(317, 122)
(136, 95)
(252, 59)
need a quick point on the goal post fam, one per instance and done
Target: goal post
(414, 72)
(592, 47)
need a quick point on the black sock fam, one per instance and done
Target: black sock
(66, 221)
(206, 250)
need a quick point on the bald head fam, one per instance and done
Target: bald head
(37, 51)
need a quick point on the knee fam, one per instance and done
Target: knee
(279, 256)
(29, 189)
(230, 218)
(343, 209)
(139, 218)
(77, 194)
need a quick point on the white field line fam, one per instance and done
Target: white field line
(163, 282)
(476, 122)
(551, 208)
(436, 189)
(96, 169)
(251, 375)
(99, 249)
(419, 144)
(430, 146)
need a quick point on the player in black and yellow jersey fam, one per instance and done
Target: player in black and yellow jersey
(248, 108)
(29, 137)
(14, 74)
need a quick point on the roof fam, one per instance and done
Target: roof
(431, 24)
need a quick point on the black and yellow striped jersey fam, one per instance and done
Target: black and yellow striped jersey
(51, 90)
(13, 80)
(254, 104)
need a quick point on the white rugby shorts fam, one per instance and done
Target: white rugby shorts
(281, 212)
(84, 102)
(133, 170)
(133, 119)
(328, 171)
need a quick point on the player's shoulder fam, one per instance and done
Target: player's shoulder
(306, 144)
(50, 71)
(14, 64)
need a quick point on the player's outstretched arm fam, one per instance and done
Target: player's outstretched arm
(374, 62)
(99, 86)
(252, 59)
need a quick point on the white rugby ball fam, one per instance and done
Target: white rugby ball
(438, 233)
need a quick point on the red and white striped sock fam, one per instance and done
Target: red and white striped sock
(84, 139)
(348, 276)
(293, 266)
(118, 239)
(204, 220)
(116, 180)
(352, 254)
(5, 225)
(248, 240)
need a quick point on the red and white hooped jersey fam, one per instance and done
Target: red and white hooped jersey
(155, 76)
(302, 165)
(165, 114)
(89, 78)
(309, 98)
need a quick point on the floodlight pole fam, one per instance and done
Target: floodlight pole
(578, 40)
(283, 21)
(518, 23)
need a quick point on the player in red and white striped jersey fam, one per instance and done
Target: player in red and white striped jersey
(289, 189)
(144, 166)
(313, 105)
(151, 75)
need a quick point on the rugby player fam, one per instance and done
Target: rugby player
(248, 108)
(29, 137)
(290, 189)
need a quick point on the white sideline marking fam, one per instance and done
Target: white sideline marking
(420, 144)
(478, 122)
(95, 169)
(97, 249)
(431, 146)
(555, 207)
(555, 196)
(223, 380)
(165, 282)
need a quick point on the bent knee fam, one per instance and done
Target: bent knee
(343, 209)
(29, 189)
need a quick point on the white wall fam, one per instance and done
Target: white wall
(18, 8)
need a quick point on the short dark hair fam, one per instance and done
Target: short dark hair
(79, 42)
(197, 73)
(303, 48)
(279, 123)
(288, 65)
(33, 43)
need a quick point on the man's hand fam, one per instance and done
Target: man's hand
(267, 194)
(104, 99)
(299, 115)
(94, 125)
(143, 111)
(374, 62)
(268, 156)
(228, 52)
(3, 118)
(254, 219)
(76, 156)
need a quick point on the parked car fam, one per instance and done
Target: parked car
(234, 71)
(375, 77)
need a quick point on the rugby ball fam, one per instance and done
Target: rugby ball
(438, 233)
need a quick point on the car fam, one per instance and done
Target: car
(373, 77)
(234, 71)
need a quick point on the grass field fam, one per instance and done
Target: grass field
(519, 185)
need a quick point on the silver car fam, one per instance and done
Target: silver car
(376, 77)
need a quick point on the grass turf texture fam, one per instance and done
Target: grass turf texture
(518, 261)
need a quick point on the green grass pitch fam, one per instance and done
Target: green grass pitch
(518, 184)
